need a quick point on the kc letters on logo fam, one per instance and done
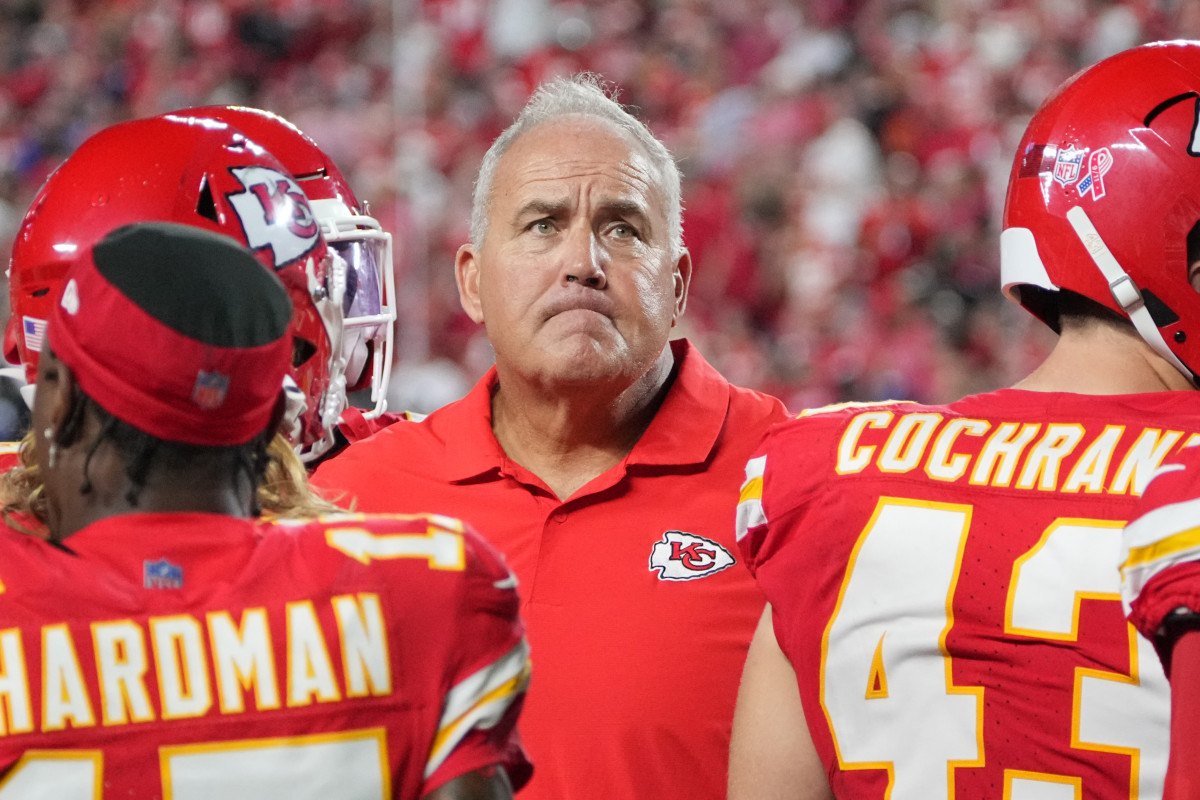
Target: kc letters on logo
(274, 213)
(680, 556)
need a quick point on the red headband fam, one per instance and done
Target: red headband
(149, 374)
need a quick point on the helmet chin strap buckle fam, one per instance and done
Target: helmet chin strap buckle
(1126, 293)
(1123, 289)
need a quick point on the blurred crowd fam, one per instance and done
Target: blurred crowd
(844, 161)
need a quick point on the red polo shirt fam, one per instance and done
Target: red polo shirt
(637, 607)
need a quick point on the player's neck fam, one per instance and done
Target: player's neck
(1103, 360)
(103, 490)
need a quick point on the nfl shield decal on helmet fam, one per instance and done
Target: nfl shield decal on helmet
(1067, 165)
(681, 556)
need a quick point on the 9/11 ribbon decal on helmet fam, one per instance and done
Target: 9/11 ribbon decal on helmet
(681, 556)
(1099, 163)
(272, 198)
(1069, 164)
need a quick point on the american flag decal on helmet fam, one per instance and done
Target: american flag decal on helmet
(34, 330)
(210, 389)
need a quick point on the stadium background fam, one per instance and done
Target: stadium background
(844, 160)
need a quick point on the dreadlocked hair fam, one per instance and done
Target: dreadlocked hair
(283, 490)
(140, 450)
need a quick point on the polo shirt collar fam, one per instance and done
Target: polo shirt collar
(471, 447)
(686, 427)
(683, 432)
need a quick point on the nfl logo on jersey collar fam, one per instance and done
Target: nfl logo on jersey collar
(681, 556)
(162, 574)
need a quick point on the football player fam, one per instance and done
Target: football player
(210, 175)
(164, 641)
(368, 302)
(944, 616)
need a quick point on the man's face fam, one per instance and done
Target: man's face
(574, 278)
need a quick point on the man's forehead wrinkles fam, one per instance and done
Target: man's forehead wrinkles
(559, 192)
(634, 170)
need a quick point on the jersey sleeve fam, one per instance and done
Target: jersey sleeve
(10, 455)
(778, 484)
(1160, 572)
(477, 727)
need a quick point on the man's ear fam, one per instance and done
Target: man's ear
(466, 275)
(683, 279)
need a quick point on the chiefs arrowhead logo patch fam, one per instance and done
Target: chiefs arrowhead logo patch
(680, 556)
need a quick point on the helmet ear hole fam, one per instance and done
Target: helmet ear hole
(302, 351)
(206, 206)
(1193, 255)
(1162, 314)
(1193, 243)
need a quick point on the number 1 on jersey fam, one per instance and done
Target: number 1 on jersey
(441, 549)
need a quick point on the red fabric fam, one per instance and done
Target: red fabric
(145, 373)
(1183, 774)
(354, 426)
(635, 676)
(1171, 574)
(1162, 574)
(440, 625)
(949, 625)
(10, 455)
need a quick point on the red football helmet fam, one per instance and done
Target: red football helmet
(348, 228)
(201, 173)
(1105, 193)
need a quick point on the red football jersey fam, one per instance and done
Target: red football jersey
(202, 656)
(10, 455)
(944, 581)
(1161, 567)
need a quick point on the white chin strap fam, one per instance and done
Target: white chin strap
(1123, 289)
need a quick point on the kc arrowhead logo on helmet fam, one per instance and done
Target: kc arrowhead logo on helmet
(274, 213)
